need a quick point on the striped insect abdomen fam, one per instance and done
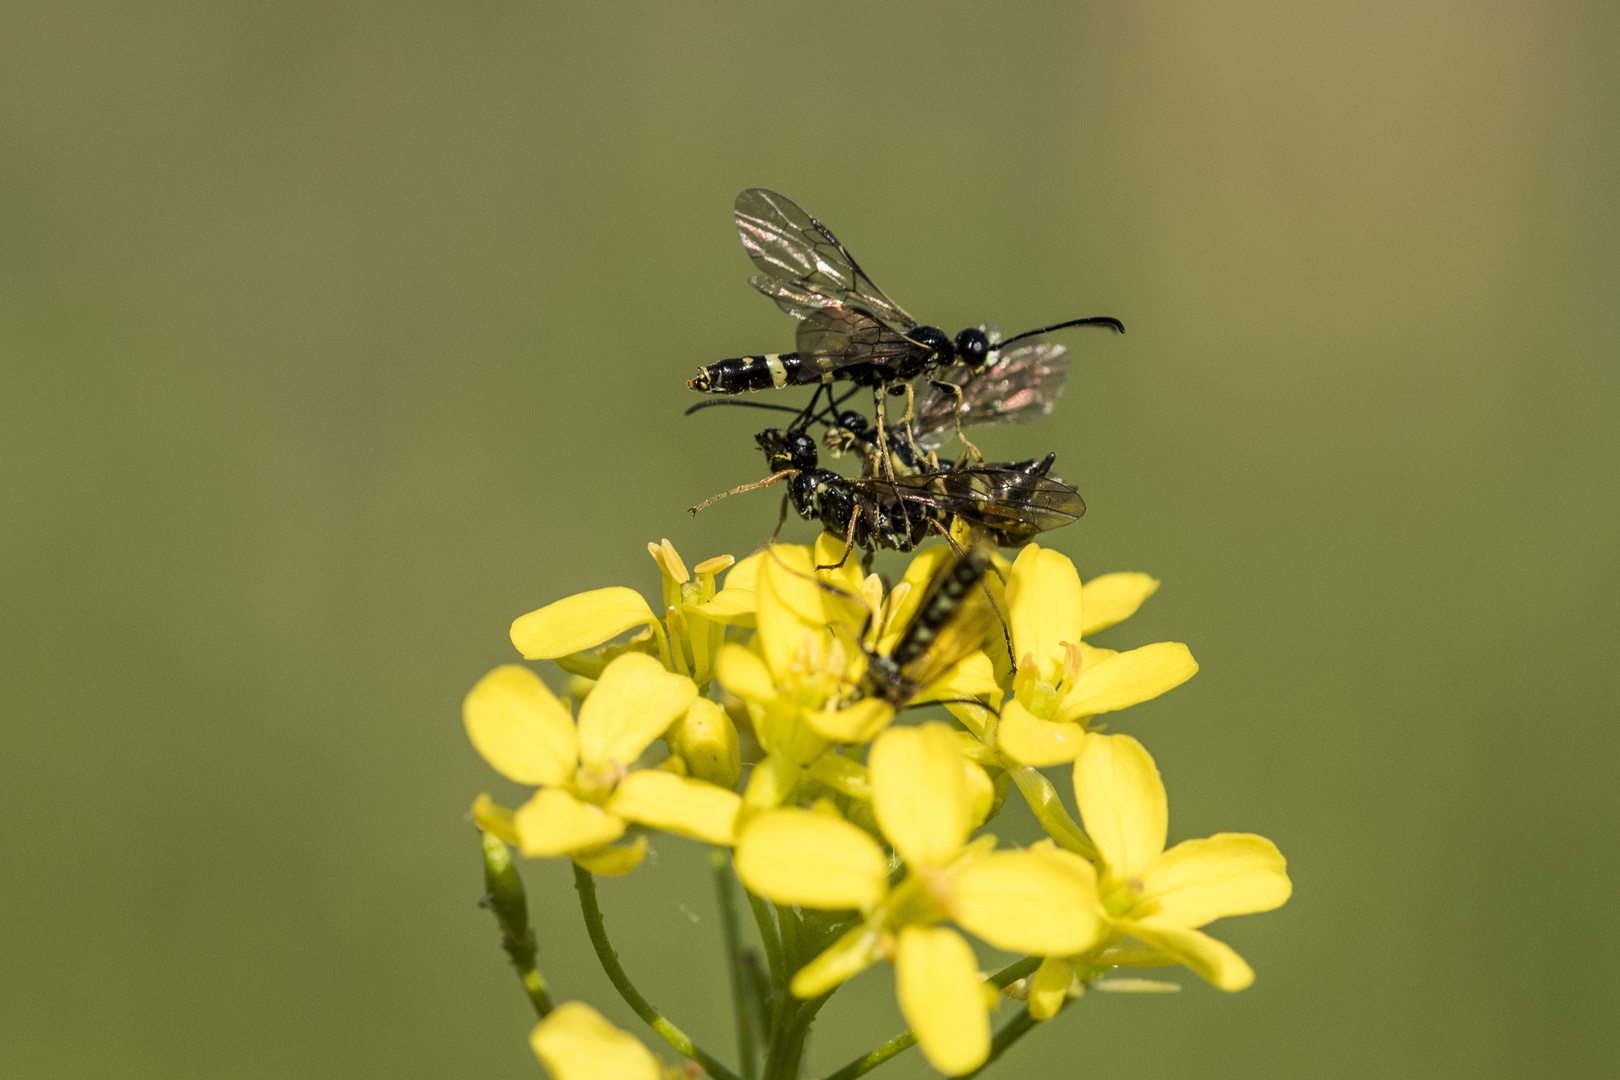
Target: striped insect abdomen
(741, 374)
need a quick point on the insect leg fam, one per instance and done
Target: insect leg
(781, 519)
(911, 409)
(807, 414)
(956, 414)
(767, 482)
(849, 541)
(880, 409)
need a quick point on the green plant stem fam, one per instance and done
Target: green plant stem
(1015, 1029)
(585, 883)
(731, 932)
(506, 900)
(773, 944)
(907, 1039)
(866, 1063)
(787, 1047)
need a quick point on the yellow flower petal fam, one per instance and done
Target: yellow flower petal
(578, 622)
(1091, 655)
(495, 819)
(1113, 598)
(1049, 987)
(811, 859)
(829, 549)
(1043, 607)
(520, 727)
(1199, 881)
(1213, 960)
(1127, 679)
(919, 793)
(971, 676)
(844, 776)
(744, 674)
(677, 804)
(1029, 740)
(706, 739)
(788, 607)
(733, 607)
(632, 704)
(910, 593)
(845, 958)
(576, 1043)
(980, 788)
(1122, 803)
(556, 823)
(856, 724)
(614, 859)
(744, 574)
(1033, 901)
(772, 783)
(942, 998)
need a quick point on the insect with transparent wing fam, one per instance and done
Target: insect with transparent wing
(1006, 504)
(850, 331)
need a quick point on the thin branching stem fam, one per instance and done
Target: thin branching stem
(907, 1039)
(585, 884)
(1015, 1029)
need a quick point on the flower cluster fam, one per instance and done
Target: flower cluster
(859, 834)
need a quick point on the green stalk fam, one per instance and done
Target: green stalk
(731, 932)
(506, 900)
(585, 883)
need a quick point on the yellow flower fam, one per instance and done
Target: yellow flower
(800, 676)
(1160, 897)
(1062, 682)
(802, 662)
(927, 798)
(691, 631)
(576, 1042)
(588, 791)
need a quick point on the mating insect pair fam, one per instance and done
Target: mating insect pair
(850, 331)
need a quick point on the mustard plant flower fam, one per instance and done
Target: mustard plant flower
(1159, 898)
(589, 788)
(576, 1042)
(802, 660)
(927, 798)
(685, 637)
(1061, 680)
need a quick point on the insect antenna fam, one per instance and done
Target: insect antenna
(1096, 320)
(715, 402)
(738, 490)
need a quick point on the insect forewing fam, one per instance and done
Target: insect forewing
(837, 337)
(790, 245)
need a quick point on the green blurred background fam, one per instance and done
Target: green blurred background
(335, 336)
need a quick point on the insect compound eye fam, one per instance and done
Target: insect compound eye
(973, 347)
(800, 450)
